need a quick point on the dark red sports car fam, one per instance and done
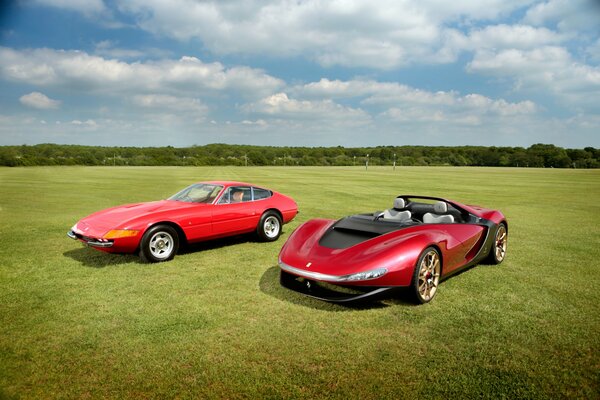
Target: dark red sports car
(414, 244)
(202, 211)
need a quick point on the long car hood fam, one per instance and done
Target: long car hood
(117, 217)
(304, 250)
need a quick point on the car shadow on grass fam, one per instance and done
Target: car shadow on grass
(93, 258)
(269, 284)
(97, 259)
(217, 243)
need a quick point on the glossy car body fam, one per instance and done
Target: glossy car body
(327, 259)
(206, 210)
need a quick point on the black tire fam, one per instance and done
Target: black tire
(498, 251)
(160, 243)
(269, 227)
(426, 276)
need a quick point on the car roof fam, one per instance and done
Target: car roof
(230, 183)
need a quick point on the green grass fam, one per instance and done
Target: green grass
(214, 322)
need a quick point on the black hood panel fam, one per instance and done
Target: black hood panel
(356, 229)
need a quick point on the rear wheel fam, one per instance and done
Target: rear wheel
(426, 277)
(498, 250)
(269, 226)
(160, 243)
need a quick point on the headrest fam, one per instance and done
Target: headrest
(440, 207)
(399, 203)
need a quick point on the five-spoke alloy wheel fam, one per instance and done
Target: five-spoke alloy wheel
(269, 226)
(160, 243)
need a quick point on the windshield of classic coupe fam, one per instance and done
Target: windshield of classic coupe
(198, 193)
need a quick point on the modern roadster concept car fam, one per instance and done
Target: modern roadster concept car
(414, 244)
(202, 211)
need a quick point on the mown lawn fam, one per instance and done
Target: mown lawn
(214, 323)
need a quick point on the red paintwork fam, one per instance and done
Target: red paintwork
(197, 221)
(397, 251)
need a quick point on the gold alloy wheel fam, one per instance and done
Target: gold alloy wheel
(501, 243)
(429, 275)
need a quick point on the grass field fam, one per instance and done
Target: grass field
(214, 323)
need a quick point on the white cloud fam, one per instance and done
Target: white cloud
(40, 101)
(502, 36)
(568, 15)
(281, 106)
(546, 69)
(351, 33)
(166, 102)
(80, 71)
(421, 102)
(89, 124)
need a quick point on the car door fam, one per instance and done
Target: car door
(468, 235)
(196, 221)
(234, 212)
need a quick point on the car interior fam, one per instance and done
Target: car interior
(406, 211)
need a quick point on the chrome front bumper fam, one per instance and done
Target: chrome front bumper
(88, 241)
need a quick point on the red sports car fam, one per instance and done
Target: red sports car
(414, 244)
(206, 210)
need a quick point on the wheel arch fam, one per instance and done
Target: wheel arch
(275, 210)
(174, 225)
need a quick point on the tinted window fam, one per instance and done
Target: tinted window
(260, 194)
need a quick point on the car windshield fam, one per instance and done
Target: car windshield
(198, 193)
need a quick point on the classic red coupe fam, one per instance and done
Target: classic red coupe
(202, 211)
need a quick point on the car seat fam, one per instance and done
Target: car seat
(397, 213)
(441, 207)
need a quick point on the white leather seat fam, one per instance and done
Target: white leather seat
(397, 213)
(440, 207)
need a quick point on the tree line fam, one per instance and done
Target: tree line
(537, 155)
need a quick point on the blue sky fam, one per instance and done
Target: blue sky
(300, 73)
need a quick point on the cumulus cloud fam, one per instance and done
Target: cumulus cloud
(567, 15)
(40, 101)
(548, 69)
(502, 36)
(394, 33)
(84, 72)
(281, 106)
(167, 102)
(87, 124)
(394, 95)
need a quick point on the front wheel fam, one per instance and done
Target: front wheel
(426, 277)
(269, 226)
(498, 250)
(160, 243)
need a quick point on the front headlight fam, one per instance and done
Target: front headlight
(366, 275)
(120, 233)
